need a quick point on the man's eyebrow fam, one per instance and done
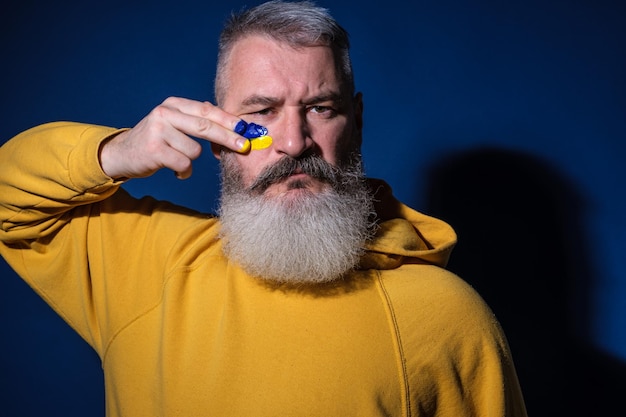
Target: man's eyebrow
(325, 97)
(262, 100)
(255, 100)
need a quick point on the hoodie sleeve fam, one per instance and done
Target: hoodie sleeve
(45, 172)
(50, 177)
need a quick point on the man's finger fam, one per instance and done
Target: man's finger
(204, 121)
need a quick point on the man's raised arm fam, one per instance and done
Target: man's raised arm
(47, 170)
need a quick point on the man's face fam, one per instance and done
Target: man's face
(298, 95)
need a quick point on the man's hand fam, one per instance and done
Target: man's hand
(163, 139)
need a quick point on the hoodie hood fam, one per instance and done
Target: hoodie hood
(405, 235)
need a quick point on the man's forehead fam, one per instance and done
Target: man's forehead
(264, 69)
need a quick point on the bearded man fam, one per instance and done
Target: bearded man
(313, 292)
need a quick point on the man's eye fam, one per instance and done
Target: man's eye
(322, 110)
(263, 112)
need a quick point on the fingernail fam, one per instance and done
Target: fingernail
(244, 145)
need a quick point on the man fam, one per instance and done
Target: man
(314, 292)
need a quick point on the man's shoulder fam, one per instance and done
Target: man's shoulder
(432, 295)
(421, 278)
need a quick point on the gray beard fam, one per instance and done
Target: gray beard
(313, 238)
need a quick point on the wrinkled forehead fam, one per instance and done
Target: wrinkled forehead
(252, 55)
(258, 64)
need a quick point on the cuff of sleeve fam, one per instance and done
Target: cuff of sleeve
(84, 161)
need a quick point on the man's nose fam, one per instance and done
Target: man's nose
(293, 137)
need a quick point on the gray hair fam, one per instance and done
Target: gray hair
(298, 24)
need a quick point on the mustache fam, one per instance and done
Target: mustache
(312, 165)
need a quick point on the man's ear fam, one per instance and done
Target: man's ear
(216, 150)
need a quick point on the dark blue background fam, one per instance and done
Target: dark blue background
(507, 119)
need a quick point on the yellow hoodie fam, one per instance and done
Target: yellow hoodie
(183, 331)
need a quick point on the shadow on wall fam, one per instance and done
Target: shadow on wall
(523, 248)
